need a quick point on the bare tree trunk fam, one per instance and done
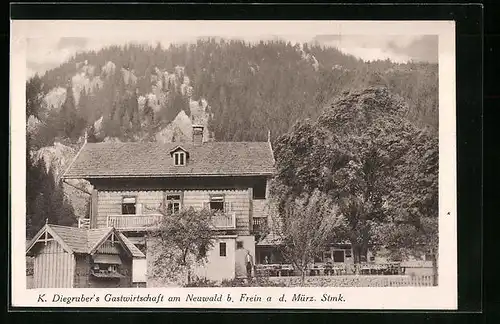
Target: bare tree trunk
(434, 270)
(356, 255)
(303, 268)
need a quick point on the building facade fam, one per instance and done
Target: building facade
(133, 181)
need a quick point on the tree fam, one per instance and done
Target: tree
(182, 240)
(34, 96)
(70, 122)
(303, 226)
(357, 152)
(84, 107)
(34, 178)
(45, 199)
(412, 225)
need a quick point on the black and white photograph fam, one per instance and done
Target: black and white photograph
(238, 156)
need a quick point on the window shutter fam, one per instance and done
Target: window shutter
(227, 206)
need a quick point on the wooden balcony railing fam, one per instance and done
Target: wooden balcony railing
(224, 220)
(141, 222)
(83, 222)
(132, 222)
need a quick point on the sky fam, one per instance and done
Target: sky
(45, 53)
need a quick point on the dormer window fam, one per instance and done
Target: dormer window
(179, 158)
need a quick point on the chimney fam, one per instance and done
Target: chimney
(197, 134)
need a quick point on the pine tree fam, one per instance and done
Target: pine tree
(68, 115)
(34, 95)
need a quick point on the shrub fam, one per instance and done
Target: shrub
(201, 282)
(255, 282)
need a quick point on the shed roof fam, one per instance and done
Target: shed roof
(115, 160)
(271, 239)
(82, 240)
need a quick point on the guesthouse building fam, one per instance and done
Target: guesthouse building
(133, 181)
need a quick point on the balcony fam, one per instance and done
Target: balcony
(132, 222)
(221, 221)
(84, 223)
(259, 224)
(224, 221)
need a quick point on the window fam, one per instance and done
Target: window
(222, 249)
(259, 189)
(217, 202)
(103, 268)
(348, 253)
(239, 244)
(179, 158)
(128, 205)
(173, 203)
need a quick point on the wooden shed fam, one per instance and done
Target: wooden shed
(71, 257)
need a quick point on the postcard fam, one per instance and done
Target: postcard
(233, 164)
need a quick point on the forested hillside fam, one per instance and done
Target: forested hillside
(238, 90)
(249, 88)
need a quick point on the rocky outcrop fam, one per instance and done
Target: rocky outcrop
(55, 98)
(109, 68)
(58, 157)
(33, 125)
(179, 130)
(81, 81)
(308, 57)
(128, 77)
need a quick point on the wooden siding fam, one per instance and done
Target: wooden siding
(53, 267)
(260, 208)
(82, 271)
(109, 248)
(94, 208)
(109, 203)
(240, 204)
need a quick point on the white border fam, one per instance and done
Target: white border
(442, 297)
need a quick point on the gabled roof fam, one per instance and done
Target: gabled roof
(81, 240)
(178, 148)
(123, 160)
(136, 253)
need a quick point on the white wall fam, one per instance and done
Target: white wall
(219, 267)
(248, 244)
(139, 270)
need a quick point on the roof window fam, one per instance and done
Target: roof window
(179, 158)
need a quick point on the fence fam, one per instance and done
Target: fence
(413, 281)
(356, 281)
